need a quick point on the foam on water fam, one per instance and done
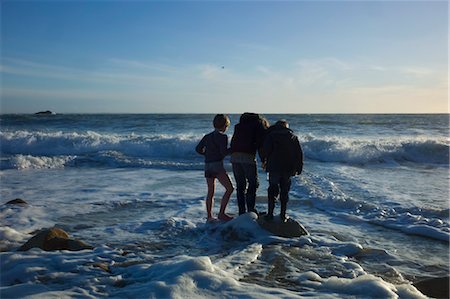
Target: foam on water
(181, 276)
(326, 196)
(152, 248)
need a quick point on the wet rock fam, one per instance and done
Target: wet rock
(121, 283)
(434, 287)
(288, 229)
(17, 201)
(102, 265)
(54, 239)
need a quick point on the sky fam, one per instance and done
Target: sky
(224, 56)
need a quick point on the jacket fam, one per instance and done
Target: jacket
(213, 146)
(248, 134)
(283, 151)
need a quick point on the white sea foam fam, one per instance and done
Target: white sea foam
(326, 196)
(38, 162)
(183, 276)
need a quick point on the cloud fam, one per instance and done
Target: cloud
(141, 65)
(418, 72)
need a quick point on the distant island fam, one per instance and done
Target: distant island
(45, 112)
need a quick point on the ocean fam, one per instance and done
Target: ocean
(374, 196)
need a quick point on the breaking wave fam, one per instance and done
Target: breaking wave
(28, 149)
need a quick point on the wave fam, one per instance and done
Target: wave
(423, 150)
(28, 149)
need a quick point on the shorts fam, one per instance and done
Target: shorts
(213, 169)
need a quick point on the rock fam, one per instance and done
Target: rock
(17, 201)
(54, 239)
(102, 265)
(288, 229)
(44, 112)
(434, 287)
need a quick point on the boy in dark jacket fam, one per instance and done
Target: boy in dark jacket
(246, 141)
(214, 146)
(284, 158)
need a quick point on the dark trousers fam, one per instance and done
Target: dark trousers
(279, 184)
(246, 195)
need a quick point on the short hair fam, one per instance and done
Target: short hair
(282, 123)
(221, 121)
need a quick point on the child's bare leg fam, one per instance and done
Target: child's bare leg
(210, 197)
(224, 179)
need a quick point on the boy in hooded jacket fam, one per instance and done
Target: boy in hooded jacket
(284, 159)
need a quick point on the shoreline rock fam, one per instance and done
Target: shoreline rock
(17, 201)
(288, 229)
(434, 287)
(54, 239)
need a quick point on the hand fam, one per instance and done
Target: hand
(263, 165)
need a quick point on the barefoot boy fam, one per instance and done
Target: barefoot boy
(214, 146)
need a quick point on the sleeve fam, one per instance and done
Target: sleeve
(233, 140)
(299, 157)
(267, 147)
(260, 134)
(223, 146)
(201, 146)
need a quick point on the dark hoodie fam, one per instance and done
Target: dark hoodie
(248, 134)
(283, 151)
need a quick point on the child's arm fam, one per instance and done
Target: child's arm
(223, 146)
(299, 158)
(260, 133)
(201, 146)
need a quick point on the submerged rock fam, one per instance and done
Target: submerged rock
(288, 229)
(54, 239)
(434, 287)
(17, 201)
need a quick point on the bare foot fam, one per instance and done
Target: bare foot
(224, 217)
(211, 219)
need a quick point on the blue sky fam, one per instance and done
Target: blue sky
(217, 56)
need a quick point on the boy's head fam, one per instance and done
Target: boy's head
(221, 122)
(282, 123)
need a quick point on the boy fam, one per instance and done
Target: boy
(284, 159)
(214, 146)
(246, 141)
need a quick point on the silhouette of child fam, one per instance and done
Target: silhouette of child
(214, 146)
(284, 156)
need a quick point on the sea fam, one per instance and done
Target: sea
(374, 197)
